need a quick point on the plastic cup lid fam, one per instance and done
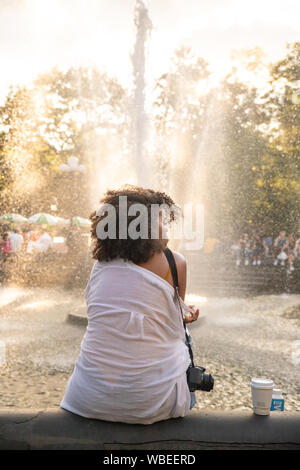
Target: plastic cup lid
(262, 383)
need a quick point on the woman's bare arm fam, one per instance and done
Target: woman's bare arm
(182, 272)
(182, 280)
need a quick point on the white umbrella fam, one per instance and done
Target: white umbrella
(81, 221)
(61, 221)
(16, 218)
(43, 219)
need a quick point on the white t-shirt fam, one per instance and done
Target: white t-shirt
(16, 241)
(44, 242)
(133, 359)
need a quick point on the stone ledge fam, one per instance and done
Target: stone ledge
(54, 429)
(77, 317)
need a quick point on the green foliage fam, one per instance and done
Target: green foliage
(247, 141)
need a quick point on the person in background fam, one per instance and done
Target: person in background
(5, 250)
(280, 245)
(297, 250)
(44, 243)
(210, 244)
(236, 251)
(5, 243)
(244, 250)
(291, 252)
(16, 241)
(32, 238)
(267, 242)
(258, 249)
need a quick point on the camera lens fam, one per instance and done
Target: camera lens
(198, 380)
(207, 383)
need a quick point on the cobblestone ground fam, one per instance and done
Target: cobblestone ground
(235, 339)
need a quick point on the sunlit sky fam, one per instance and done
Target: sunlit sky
(35, 35)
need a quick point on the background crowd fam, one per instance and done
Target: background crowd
(22, 243)
(25, 241)
(32, 239)
(38, 249)
(257, 249)
(283, 249)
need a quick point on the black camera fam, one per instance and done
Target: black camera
(197, 380)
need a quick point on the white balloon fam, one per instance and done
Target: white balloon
(81, 168)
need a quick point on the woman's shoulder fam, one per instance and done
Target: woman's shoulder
(179, 258)
(181, 263)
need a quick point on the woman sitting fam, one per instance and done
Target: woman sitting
(133, 359)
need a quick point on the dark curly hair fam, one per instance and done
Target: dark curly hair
(135, 250)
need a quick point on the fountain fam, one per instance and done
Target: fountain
(138, 131)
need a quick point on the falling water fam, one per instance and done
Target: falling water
(138, 114)
(208, 178)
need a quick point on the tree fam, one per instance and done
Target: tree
(280, 174)
(78, 112)
(83, 113)
(243, 147)
(18, 119)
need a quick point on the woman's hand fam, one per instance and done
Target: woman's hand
(193, 315)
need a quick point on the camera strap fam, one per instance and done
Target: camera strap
(172, 264)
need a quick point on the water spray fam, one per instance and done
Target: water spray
(143, 26)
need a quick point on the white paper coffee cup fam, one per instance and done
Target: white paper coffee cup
(261, 390)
